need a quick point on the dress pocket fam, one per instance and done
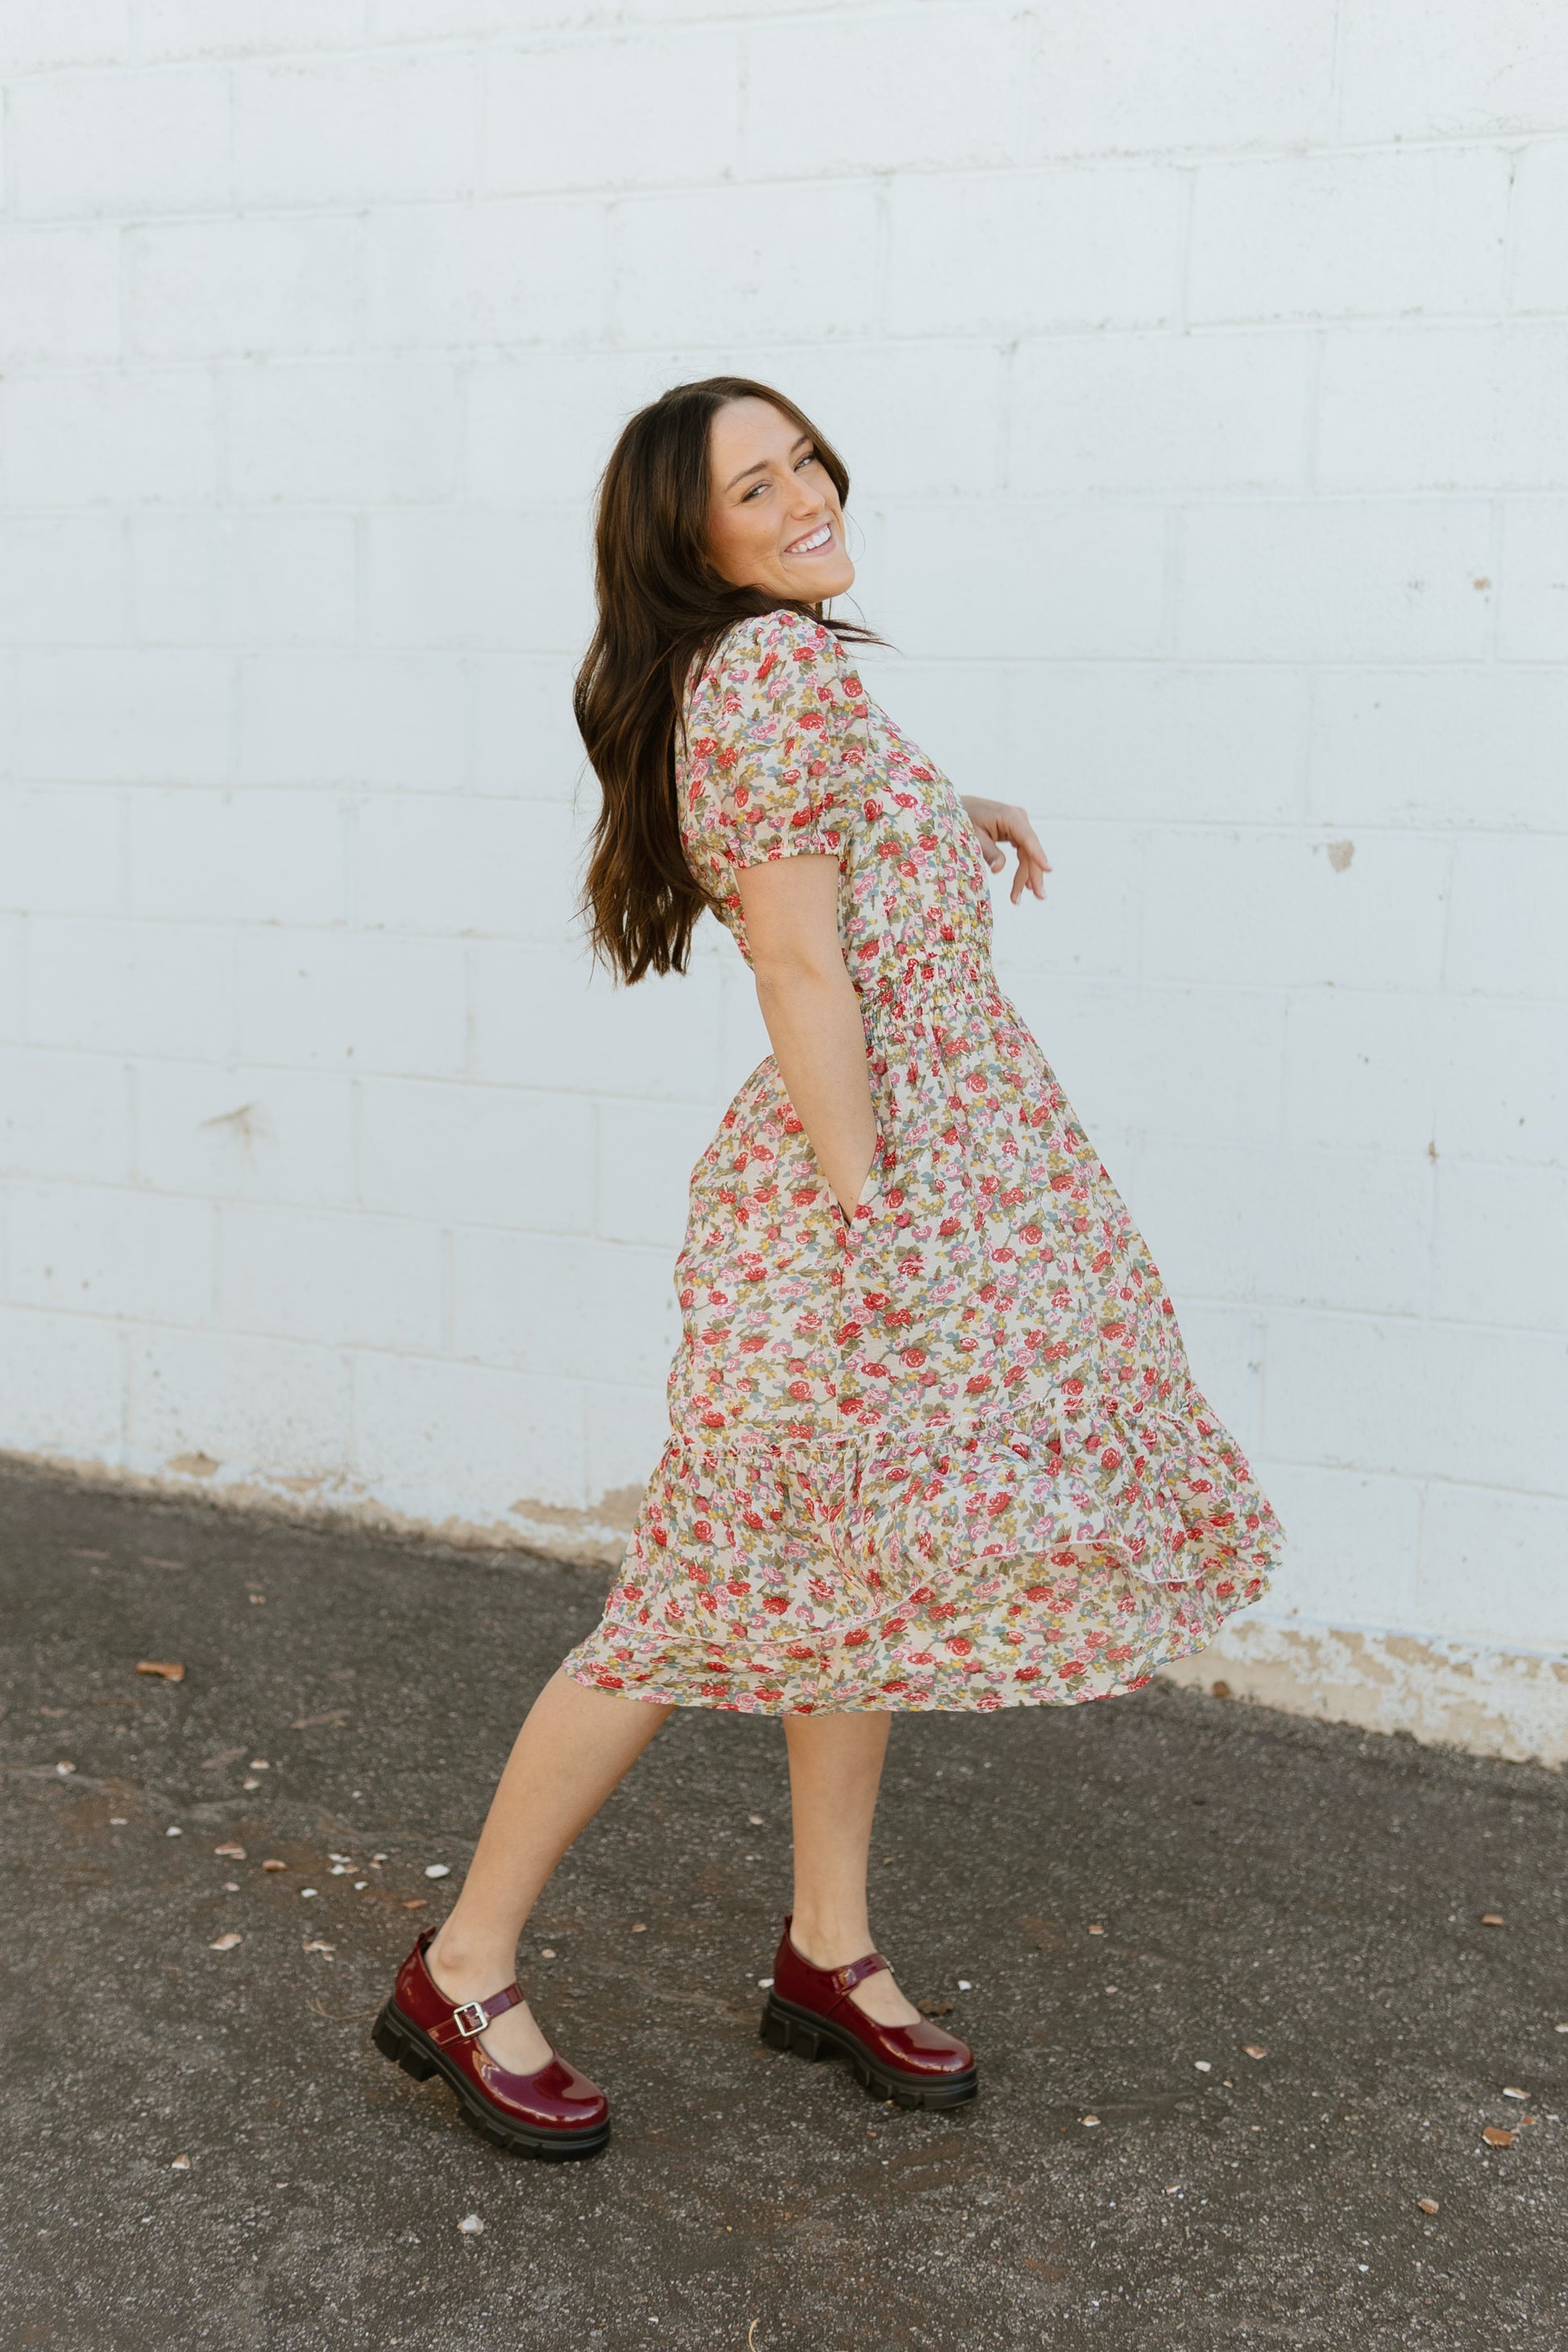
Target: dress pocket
(855, 1226)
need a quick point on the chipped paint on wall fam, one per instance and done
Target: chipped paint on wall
(1505, 1703)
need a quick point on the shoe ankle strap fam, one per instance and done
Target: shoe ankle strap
(845, 1979)
(470, 2018)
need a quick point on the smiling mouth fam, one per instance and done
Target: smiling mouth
(814, 543)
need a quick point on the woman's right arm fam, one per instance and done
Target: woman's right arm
(790, 907)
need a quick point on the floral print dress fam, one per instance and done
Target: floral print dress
(946, 1453)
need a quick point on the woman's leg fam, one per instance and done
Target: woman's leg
(576, 1744)
(834, 1771)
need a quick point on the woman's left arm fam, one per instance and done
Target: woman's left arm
(999, 821)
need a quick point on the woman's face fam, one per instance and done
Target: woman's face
(774, 518)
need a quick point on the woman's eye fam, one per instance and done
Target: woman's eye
(809, 459)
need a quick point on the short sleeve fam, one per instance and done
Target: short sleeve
(776, 739)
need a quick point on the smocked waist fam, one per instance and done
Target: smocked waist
(895, 970)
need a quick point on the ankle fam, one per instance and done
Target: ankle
(460, 1962)
(830, 1940)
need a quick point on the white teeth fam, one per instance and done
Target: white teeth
(809, 546)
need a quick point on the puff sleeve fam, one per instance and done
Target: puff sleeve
(776, 740)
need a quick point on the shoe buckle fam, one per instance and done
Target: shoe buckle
(474, 2010)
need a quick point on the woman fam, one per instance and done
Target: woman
(934, 1443)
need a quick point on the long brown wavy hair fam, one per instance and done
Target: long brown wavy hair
(662, 606)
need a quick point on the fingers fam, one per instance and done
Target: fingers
(989, 847)
(1001, 825)
(1033, 864)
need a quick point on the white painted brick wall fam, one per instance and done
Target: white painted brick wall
(1201, 373)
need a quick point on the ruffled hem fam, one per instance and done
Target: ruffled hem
(997, 1563)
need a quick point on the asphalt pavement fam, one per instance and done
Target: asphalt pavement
(1230, 1976)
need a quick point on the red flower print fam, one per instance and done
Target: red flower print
(1010, 1383)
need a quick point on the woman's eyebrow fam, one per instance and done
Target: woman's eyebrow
(761, 465)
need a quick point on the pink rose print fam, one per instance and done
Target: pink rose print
(946, 1453)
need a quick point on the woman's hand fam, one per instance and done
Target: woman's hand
(999, 821)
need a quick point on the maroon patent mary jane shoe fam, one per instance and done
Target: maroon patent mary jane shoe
(809, 2010)
(555, 2113)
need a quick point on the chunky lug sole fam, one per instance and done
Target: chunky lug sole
(785, 2027)
(397, 2038)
